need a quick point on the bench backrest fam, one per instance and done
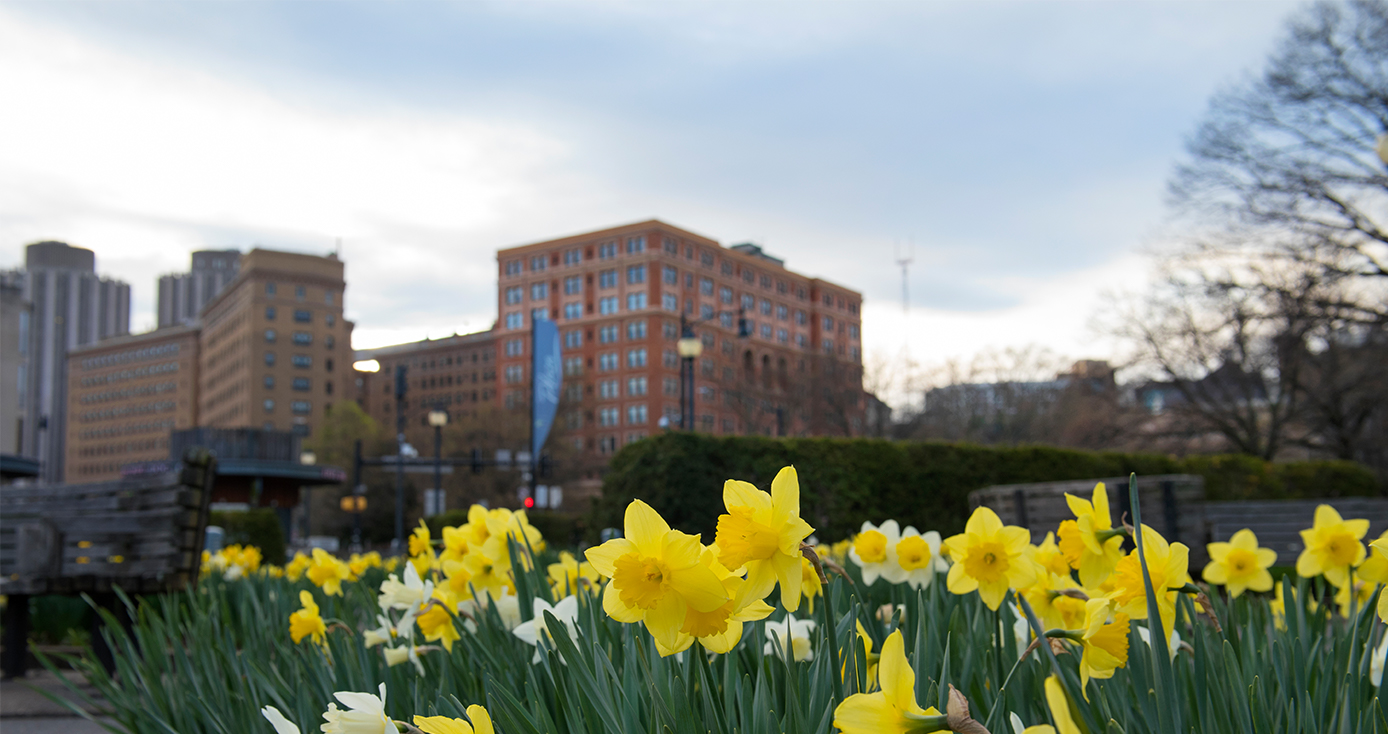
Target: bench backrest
(1278, 523)
(143, 534)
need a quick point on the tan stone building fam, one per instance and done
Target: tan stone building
(456, 373)
(618, 296)
(275, 352)
(124, 397)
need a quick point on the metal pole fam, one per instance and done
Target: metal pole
(399, 542)
(534, 450)
(357, 491)
(438, 468)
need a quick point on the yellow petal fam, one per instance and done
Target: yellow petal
(1102, 520)
(666, 619)
(894, 674)
(645, 527)
(481, 720)
(442, 725)
(604, 557)
(700, 586)
(744, 494)
(1080, 507)
(1060, 707)
(983, 522)
(614, 606)
(785, 494)
(1326, 515)
(790, 576)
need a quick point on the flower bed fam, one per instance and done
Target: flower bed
(485, 629)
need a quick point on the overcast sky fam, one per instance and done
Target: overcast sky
(1022, 147)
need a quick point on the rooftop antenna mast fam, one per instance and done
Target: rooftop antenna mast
(904, 262)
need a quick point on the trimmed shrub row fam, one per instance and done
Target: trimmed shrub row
(846, 481)
(258, 526)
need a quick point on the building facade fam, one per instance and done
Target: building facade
(70, 306)
(182, 296)
(618, 296)
(456, 373)
(125, 397)
(275, 351)
(15, 318)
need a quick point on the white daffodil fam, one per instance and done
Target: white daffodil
(1376, 664)
(789, 634)
(874, 550)
(407, 595)
(1172, 645)
(1021, 628)
(384, 633)
(918, 558)
(565, 611)
(365, 714)
(507, 607)
(403, 653)
(277, 720)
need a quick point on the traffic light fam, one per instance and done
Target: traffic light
(546, 466)
(402, 385)
(476, 461)
(529, 503)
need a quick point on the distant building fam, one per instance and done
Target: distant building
(15, 318)
(125, 396)
(182, 296)
(70, 306)
(456, 373)
(618, 296)
(275, 352)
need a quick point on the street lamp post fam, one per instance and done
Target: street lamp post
(308, 458)
(690, 347)
(438, 418)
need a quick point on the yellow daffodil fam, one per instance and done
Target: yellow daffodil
(486, 574)
(1105, 643)
(404, 654)
(1049, 557)
(422, 549)
(893, 707)
(481, 723)
(1059, 704)
(720, 630)
(436, 622)
(874, 550)
(409, 594)
(1240, 564)
(810, 585)
(328, 572)
(1089, 542)
(1332, 546)
(762, 533)
(566, 576)
(990, 558)
(868, 655)
(657, 575)
(1362, 593)
(1278, 607)
(1374, 569)
(1053, 606)
(1167, 564)
(296, 567)
(359, 562)
(306, 622)
(455, 544)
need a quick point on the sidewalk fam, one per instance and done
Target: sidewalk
(24, 710)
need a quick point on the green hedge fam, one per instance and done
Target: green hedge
(846, 481)
(259, 527)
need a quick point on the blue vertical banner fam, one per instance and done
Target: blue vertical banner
(547, 374)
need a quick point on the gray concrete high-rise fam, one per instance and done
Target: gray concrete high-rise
(14, 358)
(70, 306)
(183, 295)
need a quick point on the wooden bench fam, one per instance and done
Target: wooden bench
(140, 534)
(1278, 523)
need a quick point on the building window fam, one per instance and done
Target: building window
(636, 414)
(573, 310)
(607, 362)
(301, 407)
(749, 302)
(328, 297)
(515, 373)
(514, 294)
(303, 361)
(782, 312)
(852, 331)
(328, 341)
(636, 330)
(573, 339)
(515, 347)
(799, 317)
(513, 267)
(669, 302)
(607, 416)
(607, 278)
(607, 250)
(269, 405)
(537, 263)
(607, 305)
(671, 358)
(303, 338)
(303, 316)
(327, 388)
(636, 387)
(636, 274)
(607, 334)
(301, 384)
(671, 246)
(781, 336)
(636, 358)
(670, 275)
(725, 294)
(270, 336)
(269, 359)
(800, 340)
(766, 331)
(671, 386)
(573, 366)
(636, 244)
(300, 292)
(726, 319)
(539, 291)
(607, 389)
(828, 324)
(766, 307)
(269, 289)
(573, 285)
(706, 311)
(514, 320)
(573, 257)
(269, 313)
(270, 382)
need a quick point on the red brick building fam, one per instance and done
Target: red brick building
(618, 295)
